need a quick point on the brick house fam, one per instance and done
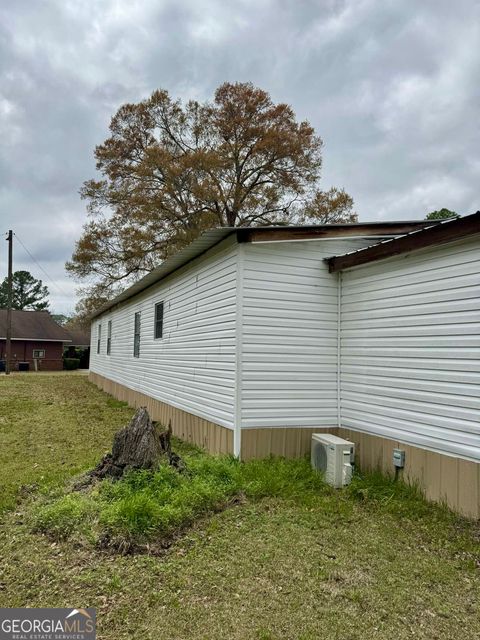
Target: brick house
(37, 341)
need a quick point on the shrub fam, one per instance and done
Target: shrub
(71, 363)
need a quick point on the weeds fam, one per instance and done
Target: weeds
(64, 516)
(379, 491)
(154, 505)
(151, 507)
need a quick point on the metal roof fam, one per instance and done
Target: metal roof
(210, 238)
(203, 243)
(436, 232)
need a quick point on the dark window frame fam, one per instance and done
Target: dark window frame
(37, 357)
(136, 335)
(109, 337)
(158, 322)
(99, 337)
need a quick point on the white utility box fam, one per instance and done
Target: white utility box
(334, 457)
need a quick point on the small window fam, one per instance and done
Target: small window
(136, 336)
(159, 320)
(99, 337)
(109, 337)
(38, 353)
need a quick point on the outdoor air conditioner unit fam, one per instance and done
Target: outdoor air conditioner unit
(334, 457)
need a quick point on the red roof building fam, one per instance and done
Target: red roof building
(37, 341)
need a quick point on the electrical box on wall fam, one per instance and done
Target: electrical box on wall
(399, 458)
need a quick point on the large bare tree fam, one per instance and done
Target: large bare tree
(169, 171)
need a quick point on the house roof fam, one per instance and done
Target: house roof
(213, 237)
(79, 337)
(434, 234)
(32, 325)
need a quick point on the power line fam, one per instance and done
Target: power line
(42, 269)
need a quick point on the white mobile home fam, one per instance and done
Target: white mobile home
(252, 339)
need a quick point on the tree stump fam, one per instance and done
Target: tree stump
(139, 445)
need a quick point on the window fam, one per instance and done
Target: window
(39, 353)
(136, 336)
(159, 320)
(99, 337)
(109, 337)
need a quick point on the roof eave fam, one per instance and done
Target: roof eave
(434, 234)
(195, 249)
(36, 339)
(212, 237)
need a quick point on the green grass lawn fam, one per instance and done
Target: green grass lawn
(289, 560)
(51, 427)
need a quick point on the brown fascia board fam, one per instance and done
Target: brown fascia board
(273, 234)
(213, 237)
(437, 234)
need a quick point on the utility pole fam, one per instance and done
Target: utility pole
(9, 303)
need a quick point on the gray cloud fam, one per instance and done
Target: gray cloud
(391, 87)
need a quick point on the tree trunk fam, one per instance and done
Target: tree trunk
(139, 445)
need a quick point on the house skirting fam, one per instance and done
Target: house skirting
(442, 478)
(293, 442)
(211, 436)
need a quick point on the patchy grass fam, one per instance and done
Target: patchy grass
(149, 507)
(295, 560)
(52, 426)
(379, 492)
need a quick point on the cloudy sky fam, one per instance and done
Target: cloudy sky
(392, 87)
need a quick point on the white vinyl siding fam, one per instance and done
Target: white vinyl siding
(410, 348)
(193, 366)
(289, 333)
